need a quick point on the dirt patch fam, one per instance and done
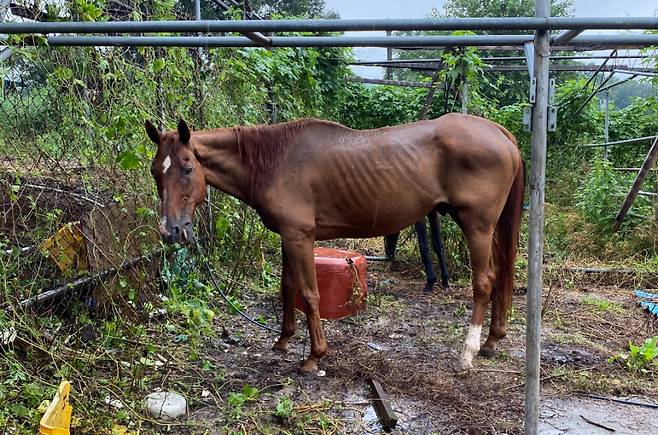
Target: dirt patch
(409, 341)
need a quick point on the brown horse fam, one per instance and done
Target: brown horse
(316, 180)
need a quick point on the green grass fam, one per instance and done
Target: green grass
(600, 305)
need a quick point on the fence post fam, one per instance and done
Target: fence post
(536, 223)
(606, 125)
(388, 75)
(202, 120)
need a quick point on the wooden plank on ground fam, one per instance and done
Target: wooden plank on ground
(387, 416)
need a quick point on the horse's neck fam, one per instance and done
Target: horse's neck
(219, 155)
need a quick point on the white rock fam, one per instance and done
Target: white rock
(7, 336)
(166, 405)
(114, 402)
(322, 373)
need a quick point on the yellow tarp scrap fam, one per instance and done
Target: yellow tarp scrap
(67, 248)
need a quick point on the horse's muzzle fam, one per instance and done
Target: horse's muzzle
(176, 232)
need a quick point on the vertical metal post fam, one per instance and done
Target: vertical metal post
(464, 96)
(655, 205)
(536, 223)
(389, 56)
(606, 125)
(197, 9)
(209, 224)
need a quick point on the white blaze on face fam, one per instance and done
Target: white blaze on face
(471, 347)
(166, 164)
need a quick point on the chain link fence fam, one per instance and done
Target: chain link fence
(78, 203)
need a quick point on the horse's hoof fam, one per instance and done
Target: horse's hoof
(428, 289)
(487, 352)
(281, 346)
(308, 366)
(463, 365)
(446, 287)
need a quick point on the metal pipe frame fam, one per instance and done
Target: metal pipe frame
(617, 83)
(344, 41)
(336, 25)
(405, 83)
(637, 73)
(496, 59)
(617, 142)
(558, 67)
(566, 36)
(536, 222)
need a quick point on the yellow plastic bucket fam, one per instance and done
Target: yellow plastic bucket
(57, 419)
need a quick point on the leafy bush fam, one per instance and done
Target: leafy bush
(602, 193)
(641, 359)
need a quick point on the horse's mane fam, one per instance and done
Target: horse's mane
(262, 148)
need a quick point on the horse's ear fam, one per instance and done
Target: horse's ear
(154, 133)
(183, 131)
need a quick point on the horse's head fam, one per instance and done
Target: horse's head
(180, 180)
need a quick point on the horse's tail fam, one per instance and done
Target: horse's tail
(506, 239)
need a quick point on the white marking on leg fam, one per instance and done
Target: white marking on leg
(471, 347)
(166, 164)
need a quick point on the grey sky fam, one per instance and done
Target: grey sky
(420, 8)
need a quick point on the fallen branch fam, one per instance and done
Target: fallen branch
(625, 402)
(597, 424)
(79, 282)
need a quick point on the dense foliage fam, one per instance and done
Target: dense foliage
(75, 116)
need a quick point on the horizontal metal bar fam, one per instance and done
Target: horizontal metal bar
(621, 40)
(339, 41)
(374, 258)
(389, 82)
(637, 73)
(504, 68)
(497, 59)
(632, 169)
(500, 23)
(289, 41)
(617, 142)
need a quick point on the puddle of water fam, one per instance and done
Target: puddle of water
(584, 416)
(361, 416)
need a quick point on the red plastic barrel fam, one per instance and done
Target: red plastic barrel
(341, 281)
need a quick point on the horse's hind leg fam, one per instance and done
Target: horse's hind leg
(288, 291)
(424, 249)
(390, 245)
(437, 243)
(479, 237)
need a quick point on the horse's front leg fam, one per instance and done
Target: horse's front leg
(288, 292)
(301, 267)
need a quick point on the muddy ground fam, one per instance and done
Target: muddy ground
(409, 342)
